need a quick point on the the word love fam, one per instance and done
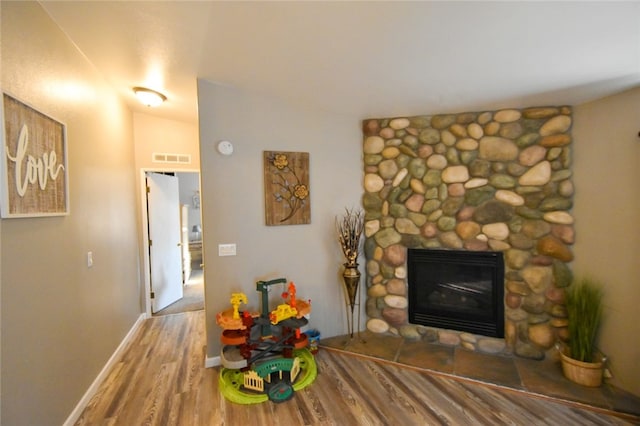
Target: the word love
(28, 169)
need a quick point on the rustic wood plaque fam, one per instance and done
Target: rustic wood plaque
(286, 188)
(34, 163)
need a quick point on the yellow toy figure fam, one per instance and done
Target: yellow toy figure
(236, 299)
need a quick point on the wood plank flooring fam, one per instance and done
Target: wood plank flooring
(161, 380)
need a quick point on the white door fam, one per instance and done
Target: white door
(163, 209)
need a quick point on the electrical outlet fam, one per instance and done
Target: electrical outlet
(89, 259)
(227, 249)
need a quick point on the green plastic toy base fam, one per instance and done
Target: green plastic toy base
(230, 381)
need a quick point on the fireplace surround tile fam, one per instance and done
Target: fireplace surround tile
(426, 355)
(487, 368)
(546, 378)
(375, 345)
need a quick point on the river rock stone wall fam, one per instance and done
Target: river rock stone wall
(487, 181)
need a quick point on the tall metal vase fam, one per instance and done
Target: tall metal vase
(351, 277)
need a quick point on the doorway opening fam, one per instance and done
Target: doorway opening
(184, 247)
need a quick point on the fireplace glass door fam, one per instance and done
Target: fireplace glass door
(456, 289)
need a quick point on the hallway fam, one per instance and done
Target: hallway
(193, 298)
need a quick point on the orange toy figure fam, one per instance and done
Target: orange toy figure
(292, 308)
(302, 307)
(292, 293)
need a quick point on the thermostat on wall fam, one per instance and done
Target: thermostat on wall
(225, 147)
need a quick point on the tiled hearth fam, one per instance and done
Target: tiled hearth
(539, 378)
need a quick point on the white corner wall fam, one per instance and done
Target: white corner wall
(607, 212)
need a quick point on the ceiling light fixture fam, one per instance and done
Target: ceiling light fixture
(149, 97)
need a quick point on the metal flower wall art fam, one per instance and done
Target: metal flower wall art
(286, 181)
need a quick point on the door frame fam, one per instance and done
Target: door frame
(146, 263)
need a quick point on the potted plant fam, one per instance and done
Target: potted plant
(582, 363)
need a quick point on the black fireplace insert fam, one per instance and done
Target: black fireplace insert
(457, 289)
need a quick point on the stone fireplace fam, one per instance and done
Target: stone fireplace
(491, 181)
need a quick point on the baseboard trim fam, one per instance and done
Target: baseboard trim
(212, 361)
(84, 401)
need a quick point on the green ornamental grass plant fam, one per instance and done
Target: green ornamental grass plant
(584, 309)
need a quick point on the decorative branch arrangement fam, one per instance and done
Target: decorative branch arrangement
(349, 230)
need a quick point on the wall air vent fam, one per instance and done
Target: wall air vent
(161, 157)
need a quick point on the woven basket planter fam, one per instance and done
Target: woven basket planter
(583, 373)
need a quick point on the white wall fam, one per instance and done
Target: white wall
(607, 212)
(233, 202)
(160, 135)
(61, 321)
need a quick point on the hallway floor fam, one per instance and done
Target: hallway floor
(192, 298)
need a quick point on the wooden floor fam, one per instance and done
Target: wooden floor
(161, 380)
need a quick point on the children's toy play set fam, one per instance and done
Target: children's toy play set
(264, 354)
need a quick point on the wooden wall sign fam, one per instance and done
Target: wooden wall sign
(34, 163)
(286, 188)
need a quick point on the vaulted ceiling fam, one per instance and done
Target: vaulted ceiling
(359, 58)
